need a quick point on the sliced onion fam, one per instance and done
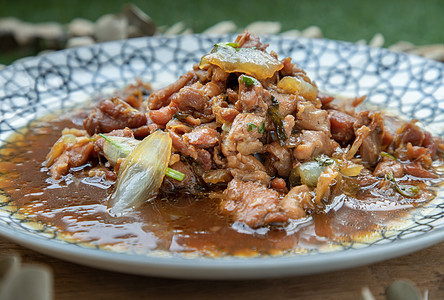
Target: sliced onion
(293, 85)
(325, 180)
(141, 174)
(250, 61)
(116, 147)
(309, 173)
(350, 169)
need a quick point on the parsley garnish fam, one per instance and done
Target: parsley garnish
(261, 128)
(248, 81)
(252, 127)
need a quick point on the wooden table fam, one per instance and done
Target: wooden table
(425, 268)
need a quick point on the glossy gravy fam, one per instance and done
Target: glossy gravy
(76, 208)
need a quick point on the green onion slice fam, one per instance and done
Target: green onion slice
(406, 190)
(175, 174)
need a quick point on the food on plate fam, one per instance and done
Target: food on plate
(242, 155)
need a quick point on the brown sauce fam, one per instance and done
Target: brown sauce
(76, 207)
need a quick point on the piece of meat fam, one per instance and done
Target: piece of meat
(178, 127)
(142, 131)
(112, 114)
(232, 96)
(252, 203)
(163, 115)
(161, 97)
(287, 102)
(253, 98)
(217, 176)
(182, 147)
(218, 158)
(247, 168)
(344, 104)
(430, 143)
(249, 40)
(411, 133)
(289, 123)
(202, 137)
(190, 98)
(391, 125)
(181, 144)
(193, 99)
(309, 117)
(417, 170)
(325, 99)
(289, 68)
(370, 148)
(204, 159)
(243, 137)
(281, 160)
(74, 154)
(219, 76)
(223, 112)
(387, 165)
(211, 89)
(279, 185)
(298, 200)
(134, 93)
(341, 125)
(417, 154)
(312, 144)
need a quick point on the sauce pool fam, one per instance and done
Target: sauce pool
(76, 208)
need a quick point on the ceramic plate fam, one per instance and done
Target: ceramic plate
(409, 86)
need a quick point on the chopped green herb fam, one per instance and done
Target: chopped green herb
(261, 128)
(251, 126)
(273, 112)
(406, 190)
(248, 81)
(324, 160)
(175, 174)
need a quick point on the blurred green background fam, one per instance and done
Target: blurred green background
(419, 22)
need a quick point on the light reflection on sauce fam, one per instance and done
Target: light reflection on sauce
(76, 207)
